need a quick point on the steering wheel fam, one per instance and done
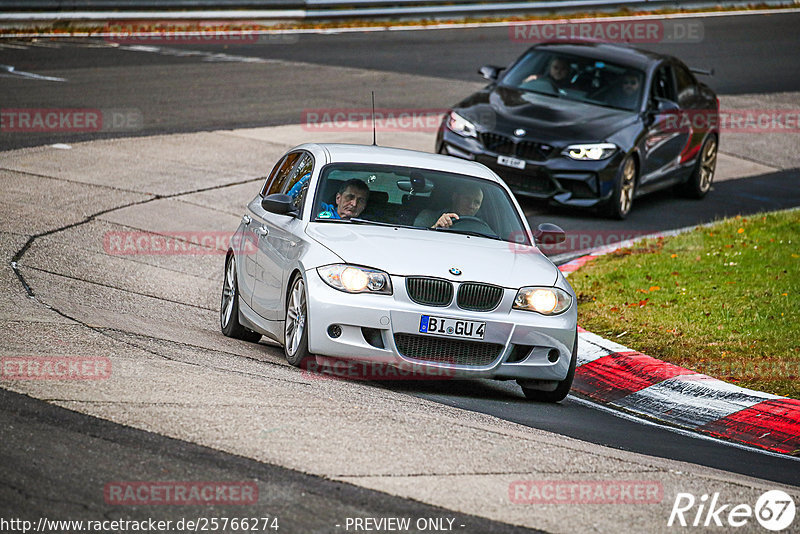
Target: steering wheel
(473, 224)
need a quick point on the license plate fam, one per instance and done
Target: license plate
(511, 162)
(451, 327)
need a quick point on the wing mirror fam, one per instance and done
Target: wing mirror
(280, 204)
(663, 105)
(549, 234)
(490, 72)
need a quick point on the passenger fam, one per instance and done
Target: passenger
(465, 203)
(350, 201)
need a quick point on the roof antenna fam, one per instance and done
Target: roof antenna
(374, 141)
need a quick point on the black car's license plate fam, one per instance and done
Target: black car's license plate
(444, 326)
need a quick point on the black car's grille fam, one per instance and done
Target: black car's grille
(500, 144)
(479, 297)
(537, 182)
(452, 351)
(429, 291)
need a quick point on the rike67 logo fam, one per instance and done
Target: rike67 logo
(774, 511)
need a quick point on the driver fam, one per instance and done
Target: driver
(558, 73)
(465, 203)
(350, 201)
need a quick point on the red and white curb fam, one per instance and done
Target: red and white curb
(611, 374)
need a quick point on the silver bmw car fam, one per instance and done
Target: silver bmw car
(400, 258)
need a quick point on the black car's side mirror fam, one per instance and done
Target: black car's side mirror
(490, 72)
(549, 234)
(662, 105)
(280, 204)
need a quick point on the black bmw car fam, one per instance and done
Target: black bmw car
(589, 125)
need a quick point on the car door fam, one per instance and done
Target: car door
(691, 103)
(278, 239)
(665, 138)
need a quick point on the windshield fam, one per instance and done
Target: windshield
(358, 193)
(577, 78)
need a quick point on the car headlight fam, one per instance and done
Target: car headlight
(353, 279)
(460, 125)
(544, 300)
(593, 151)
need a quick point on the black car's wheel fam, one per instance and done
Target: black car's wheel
(563, 387)
(229, 306)
(699, 182)
(622, 200)
(295, 333)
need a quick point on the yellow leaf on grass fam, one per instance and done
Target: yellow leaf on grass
(740, 231)
(654, 288)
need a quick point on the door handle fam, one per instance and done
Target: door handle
(262, 231)
(246, 220)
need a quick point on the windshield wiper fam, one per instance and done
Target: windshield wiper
(466, 232)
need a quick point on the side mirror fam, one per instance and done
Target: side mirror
(549, 234)
(490, 72)
(279, 203)
(662, 105)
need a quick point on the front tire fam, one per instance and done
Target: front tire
(699, 183)
(563, 387)
(295, 333)
(622, 200)
(229, 306)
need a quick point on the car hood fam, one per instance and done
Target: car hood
(546, 118)
(406, 252)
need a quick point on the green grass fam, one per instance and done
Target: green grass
(721, 300)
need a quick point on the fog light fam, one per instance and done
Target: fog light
(334, 331)
(553, 355)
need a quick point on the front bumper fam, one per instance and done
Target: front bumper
(384, 330)
(561, 180)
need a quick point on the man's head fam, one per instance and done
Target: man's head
(352, 198)
(630, 83)
(468, 200)
(559, 69)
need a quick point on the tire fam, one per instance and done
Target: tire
(620, 203)
(562, 390)
(229, 306)
(699, 183)
(295, 332)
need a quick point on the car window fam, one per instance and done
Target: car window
(685, 83)
(279, 174)
(416, 198)
(662, 84)
(296, 184)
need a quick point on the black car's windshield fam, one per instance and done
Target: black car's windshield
(577, 78)
(416, 198)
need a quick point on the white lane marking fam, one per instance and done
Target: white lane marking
(61, 146)
(688, 433)
(44, 44)
(206, 56)
(22, 74)
(15, 46)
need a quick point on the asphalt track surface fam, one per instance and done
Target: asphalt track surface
(750, 54)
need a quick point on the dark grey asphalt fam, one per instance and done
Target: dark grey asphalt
(56, 464)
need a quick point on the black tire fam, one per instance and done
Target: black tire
(621, 201)
(699, 183)
(295, 332)
(229, 306)
(562, 390)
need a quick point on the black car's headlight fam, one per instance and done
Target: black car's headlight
(461, 126)
(590, 151)
(354, 279)
(544, 300)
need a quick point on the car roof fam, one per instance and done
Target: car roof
(350, 153)
(623, 55)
